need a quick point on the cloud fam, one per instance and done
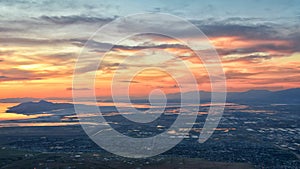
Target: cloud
(91, 44)
(70, 88)
(75, 19)
(15, 74)
(275, 80)
(19, 78)
(101, 45)
(249, 28)
(57, 58)
(247, 39)
(32, 41)
(160, 46)
(128, 81)
(38, 60)
(6, 52)
(234, 74)
(8, 29)
(268, 75)
(106, 67)
(55, 31)
(259, 37)
(253, 58)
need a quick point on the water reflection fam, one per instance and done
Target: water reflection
(68, 117)
(47, 124)
(16, 116)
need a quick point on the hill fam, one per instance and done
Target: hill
(35, 107)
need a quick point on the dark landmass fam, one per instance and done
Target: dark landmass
(259, 135)
(289, 96)
(12, 159)
(36, 107)
(262, 136)
(30, 108)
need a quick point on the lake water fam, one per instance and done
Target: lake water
(52, 119)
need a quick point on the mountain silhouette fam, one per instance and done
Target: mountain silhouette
(35, 107)
(288, 96)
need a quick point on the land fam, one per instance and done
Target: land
(248, 136)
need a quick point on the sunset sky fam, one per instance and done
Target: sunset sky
(258, 43)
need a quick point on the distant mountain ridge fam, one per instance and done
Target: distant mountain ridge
(35, 107)
(288, 96)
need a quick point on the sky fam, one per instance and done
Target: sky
(257, 42)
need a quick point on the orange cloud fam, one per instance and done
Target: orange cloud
(31, 71)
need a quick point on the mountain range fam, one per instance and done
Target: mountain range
(289, 96)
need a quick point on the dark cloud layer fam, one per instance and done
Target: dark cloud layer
(252, 58)
(75, 19)
(31, 41)
(100, 45)
(15, 74)
(245, 31)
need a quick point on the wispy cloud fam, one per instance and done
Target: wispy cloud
(70, 88)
